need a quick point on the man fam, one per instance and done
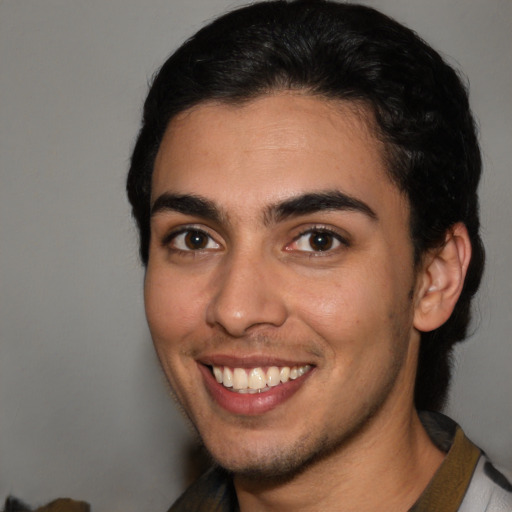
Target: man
(305, 186)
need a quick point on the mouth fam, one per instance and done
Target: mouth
(258, 379)
(252, 390)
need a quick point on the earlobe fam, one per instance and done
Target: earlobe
(442, 279)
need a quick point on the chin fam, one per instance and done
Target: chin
(274, 463)
(270, 459)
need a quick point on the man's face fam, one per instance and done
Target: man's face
(281, 264)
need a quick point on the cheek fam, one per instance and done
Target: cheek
(173, 306)
(357, 312)
(344, 302)
(173, 313)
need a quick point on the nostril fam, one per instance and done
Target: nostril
(237, 314)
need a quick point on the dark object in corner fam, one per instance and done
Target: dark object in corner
(61, 505)
(15, 505)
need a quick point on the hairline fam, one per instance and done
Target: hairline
(363, 109)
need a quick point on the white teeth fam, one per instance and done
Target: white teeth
(218, 374)
(273, 376)
(256, 380)
(240, 380)
(227, 377)
(301, 370)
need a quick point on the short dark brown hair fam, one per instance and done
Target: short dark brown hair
(355, 53)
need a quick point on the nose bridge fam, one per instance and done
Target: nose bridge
(246, 294)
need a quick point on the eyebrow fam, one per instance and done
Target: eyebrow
(304, 204)
(330, 200)
(188, 204)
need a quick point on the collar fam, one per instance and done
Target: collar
(448, 486)
(214, 491)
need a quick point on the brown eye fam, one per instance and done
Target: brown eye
(321, 241)
(192, 240)
(195, 240)
(317, 240)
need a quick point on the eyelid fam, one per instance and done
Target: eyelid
(344, 241)
(179, 230)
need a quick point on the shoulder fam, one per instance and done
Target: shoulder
(466, 481)
(489, 490)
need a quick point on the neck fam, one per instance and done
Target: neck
(383, 468)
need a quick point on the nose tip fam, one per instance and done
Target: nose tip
(246, 299)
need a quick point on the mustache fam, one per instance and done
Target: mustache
(269, 344)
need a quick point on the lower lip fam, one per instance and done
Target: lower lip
(250, 404)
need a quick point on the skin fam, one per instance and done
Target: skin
(258, 292)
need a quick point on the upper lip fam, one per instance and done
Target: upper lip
(250, 361)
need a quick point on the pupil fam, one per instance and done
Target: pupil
(321, 241)
(195, 240)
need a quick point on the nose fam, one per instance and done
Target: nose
(247, 296)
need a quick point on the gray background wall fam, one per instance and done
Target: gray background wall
(84, 409)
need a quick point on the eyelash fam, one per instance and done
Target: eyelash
(173, 235)
(322, 230)
(314, 230)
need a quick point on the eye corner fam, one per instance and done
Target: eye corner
(190, 239)
(318, 241)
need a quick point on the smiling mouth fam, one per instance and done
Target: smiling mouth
(258, 379)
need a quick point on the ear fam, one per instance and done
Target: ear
(441, 279)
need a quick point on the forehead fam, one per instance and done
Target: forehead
(269, 149)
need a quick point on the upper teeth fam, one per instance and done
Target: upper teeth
(247, 380)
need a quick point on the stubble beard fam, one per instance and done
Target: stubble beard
(276, 467)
